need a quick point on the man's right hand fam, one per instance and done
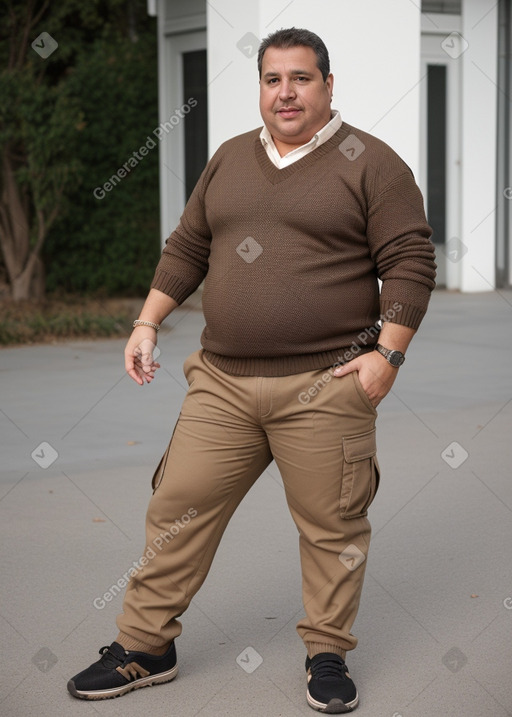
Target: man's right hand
(138, 355)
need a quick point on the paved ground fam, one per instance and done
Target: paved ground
(80, 442)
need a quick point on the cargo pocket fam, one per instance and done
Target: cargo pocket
(360, 478)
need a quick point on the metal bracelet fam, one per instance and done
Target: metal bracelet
(139, 322)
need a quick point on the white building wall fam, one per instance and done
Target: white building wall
(479, 118)
(232, 70)
(375, 58)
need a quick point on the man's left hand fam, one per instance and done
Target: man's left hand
(376, 375)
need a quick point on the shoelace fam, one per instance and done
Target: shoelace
(108, 658)
(329, 669)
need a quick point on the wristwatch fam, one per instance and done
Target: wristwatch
(395, 358)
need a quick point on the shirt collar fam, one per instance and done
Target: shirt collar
(319, 138)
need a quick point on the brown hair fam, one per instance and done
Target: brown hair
(296, 37)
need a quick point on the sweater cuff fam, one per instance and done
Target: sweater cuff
(398, 313)
(171, 285)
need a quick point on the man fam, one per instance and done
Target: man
(290, 226)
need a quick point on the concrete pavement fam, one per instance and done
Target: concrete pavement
(80, 442)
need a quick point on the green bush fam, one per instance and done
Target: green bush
(67, 123)
(110, 245)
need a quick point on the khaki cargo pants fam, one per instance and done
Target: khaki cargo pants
(321, 432)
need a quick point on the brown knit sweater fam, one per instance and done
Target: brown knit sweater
(291, 256)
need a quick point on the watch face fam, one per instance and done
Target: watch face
(396, 358)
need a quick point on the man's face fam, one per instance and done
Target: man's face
(294, 99)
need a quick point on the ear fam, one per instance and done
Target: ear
(329, 83)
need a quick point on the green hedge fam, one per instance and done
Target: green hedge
(111, 245)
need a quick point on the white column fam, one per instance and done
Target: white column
(233, 36)
(478, 185)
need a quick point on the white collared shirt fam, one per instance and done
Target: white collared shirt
(319, 138)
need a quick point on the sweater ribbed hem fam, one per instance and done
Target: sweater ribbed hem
(316, 648)
(282, 365)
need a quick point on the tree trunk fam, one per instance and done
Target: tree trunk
(22, 261)
(20, 287)
(30, 283)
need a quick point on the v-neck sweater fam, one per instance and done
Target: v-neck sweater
(291, 257)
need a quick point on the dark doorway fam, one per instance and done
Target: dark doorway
(196, 124)
(436, 151)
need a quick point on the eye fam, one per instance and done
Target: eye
(301, 78)
(273, 80)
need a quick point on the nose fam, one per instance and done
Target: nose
(286, 90)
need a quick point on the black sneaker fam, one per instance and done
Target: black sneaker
(330, 688)
(120, 671)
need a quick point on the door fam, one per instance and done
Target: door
(440, 154)
(183, 123)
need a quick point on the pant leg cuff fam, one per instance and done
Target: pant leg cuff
(133, 644)
(315, 648)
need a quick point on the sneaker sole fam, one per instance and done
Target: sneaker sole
(334, 707)
(159, 679)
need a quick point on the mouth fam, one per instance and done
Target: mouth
(288, 112)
